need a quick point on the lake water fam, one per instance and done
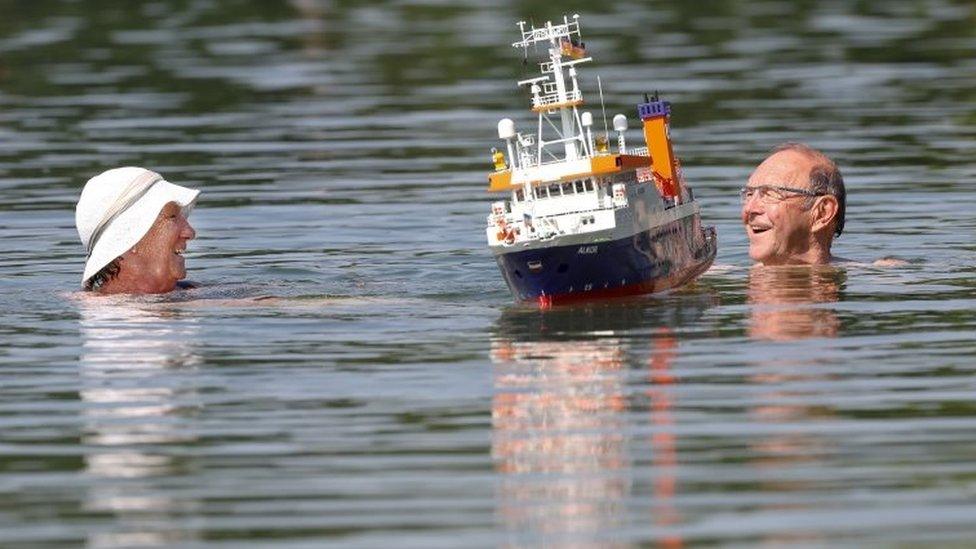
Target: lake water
(392, 394)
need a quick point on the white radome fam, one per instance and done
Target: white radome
(620, 123)
(506, 128)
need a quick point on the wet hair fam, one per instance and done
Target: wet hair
(106, 273)
(825, 178)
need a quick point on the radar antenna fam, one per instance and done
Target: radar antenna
(606, 130)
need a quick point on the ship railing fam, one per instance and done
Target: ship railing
(545, 227)
(638, 151)
(547, 33)
(547, 67)
(531, 162)
(515, 221)
(542, 101)
(544, 219)
(547, 162)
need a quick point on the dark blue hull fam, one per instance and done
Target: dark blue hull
(650, 261)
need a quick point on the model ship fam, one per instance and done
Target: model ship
(582, 221)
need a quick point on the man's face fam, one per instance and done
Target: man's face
(157, 260)
(779, 230)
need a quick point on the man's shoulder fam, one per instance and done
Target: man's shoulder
(886, 261)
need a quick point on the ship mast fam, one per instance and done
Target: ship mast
(550, 92)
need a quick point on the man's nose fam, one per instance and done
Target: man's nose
(751, 205)
(753, 201)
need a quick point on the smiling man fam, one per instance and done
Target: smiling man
(793, 207)
(133, 224)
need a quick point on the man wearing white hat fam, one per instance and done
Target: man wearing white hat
(133, 224)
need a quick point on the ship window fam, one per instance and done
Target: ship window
(589, 185)
(554, 189)
(567, 188)
(578, 185)
(519, 195)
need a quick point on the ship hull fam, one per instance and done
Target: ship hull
(651, 260)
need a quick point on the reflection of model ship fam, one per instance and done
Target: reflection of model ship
(583, 222)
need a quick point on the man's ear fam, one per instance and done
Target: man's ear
(824, 212)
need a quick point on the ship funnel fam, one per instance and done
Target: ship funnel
(655, 115)
(506, 128)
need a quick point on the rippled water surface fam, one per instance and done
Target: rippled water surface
(353, 370)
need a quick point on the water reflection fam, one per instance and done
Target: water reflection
(562, 410)
(787, 302)
(786, 412)
(557, 418)
(132, 368)
(664, 453)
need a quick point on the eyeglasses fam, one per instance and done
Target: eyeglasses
(773, 194)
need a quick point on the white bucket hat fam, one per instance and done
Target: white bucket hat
(118, 207)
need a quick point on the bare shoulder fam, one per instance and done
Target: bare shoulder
(887, 261)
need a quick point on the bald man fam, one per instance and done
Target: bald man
(793, 207)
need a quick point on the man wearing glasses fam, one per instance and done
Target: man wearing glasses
(793, 207)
